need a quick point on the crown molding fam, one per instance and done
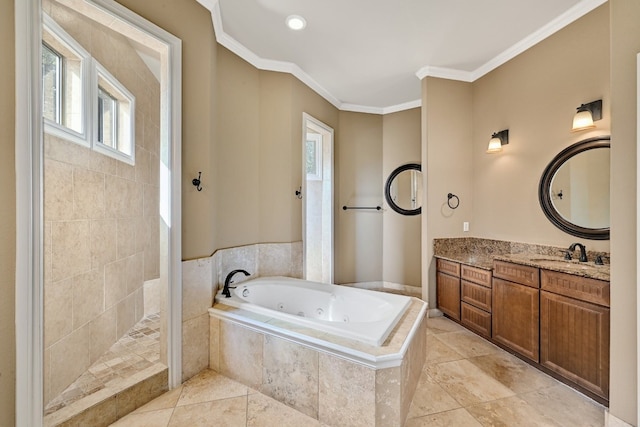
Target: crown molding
(571, 15)
(239, 49)
(444, 73)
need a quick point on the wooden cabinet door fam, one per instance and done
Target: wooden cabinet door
(515, 322)
(574, 340)
(448, 293)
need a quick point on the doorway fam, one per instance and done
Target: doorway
(150, 178)
(317, 221)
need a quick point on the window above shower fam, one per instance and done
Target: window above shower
(82, 101)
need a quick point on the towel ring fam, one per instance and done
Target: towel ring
(457, 201)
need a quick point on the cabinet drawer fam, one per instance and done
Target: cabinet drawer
(476, 275)
(449, 267)
(476, 295)
(476, 319)
(582, 288)
(517, 273)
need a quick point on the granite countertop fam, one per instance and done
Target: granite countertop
(577, 268)
(481, 253)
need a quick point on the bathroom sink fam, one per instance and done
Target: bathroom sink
(563, 263)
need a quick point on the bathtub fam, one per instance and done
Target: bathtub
(342, 355)
(352, 313)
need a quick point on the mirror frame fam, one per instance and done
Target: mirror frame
(544, 194)
(387, 189)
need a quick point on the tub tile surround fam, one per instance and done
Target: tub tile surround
(324, 384)
(532, 398)
(203, 277)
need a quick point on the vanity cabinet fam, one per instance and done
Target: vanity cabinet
(448, 288)
(516, 304)
(574, 329)
(475, 305)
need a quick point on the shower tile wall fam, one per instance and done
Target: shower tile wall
(101, 220)
(201, 279)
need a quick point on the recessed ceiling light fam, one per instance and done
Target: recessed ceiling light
(296, 22)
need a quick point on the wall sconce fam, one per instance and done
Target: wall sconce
(498, 139)
(586, 114)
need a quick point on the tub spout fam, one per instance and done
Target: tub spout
(225, 291)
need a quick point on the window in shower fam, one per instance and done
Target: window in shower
(65, 84)
(114, 118)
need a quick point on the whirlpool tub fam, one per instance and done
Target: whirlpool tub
(358, 314)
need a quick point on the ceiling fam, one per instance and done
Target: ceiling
(369, 55)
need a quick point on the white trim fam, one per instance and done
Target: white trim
(99, 71)
(536, 37)
(28, 149)
(577, 11)
(637, 235)
(310, 121)
(613, 421)
(83, 138)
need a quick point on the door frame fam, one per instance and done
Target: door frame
(310, 121)
(29, 201)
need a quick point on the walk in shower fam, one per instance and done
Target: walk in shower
(103, 293)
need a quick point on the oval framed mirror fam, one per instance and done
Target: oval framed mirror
(574, 189)
(403, 189)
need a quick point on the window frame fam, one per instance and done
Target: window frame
(58, 129)
(124, 120)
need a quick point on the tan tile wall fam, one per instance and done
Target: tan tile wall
(324, 386)
(101, 220)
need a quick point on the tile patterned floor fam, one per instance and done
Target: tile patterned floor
(466, 381)
(136, 351)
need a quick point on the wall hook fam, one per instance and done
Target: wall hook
(196, 182)
(457, 201)
(299, 193)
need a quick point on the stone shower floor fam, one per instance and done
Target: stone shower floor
(137, 350)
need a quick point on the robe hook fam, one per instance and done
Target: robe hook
(196, 182)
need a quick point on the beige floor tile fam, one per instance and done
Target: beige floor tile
(165, 401)
(455, 418)
(208, 385)
(467, 383)
(438, 351)
(439, 325)
(263, 411)
(159, 418)
(512, 411)
(430, 398)
(468, 344)
(568, 407)
(513, 373)
(219, 413)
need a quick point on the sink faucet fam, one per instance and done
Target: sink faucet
(583, 251)
(225, 291)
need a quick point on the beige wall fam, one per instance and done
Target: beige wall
(191, 23)
(401, 245)
(447, 133)
(625, 44)
(7, 213)
(358, 233)
(259, 152)
(535, 95)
